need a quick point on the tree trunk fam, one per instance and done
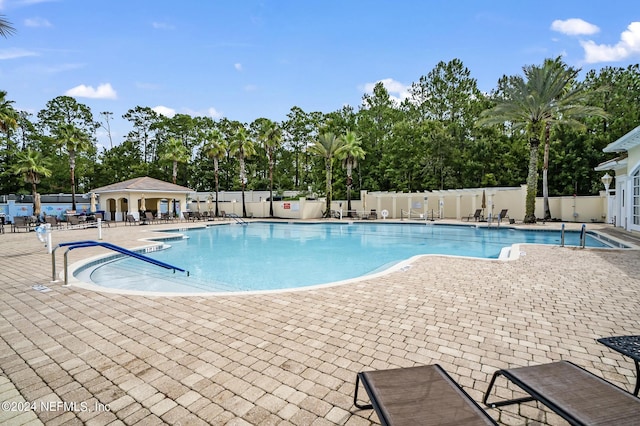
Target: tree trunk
(349, 185)
(270, 189)
(244, 207)
(243, 180)
(175, 172)
(217, 172)
(545, 172)
(532, 182)
(327, 213)
(72, 166)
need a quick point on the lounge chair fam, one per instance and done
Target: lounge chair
(476, 216)
(373, 215)
(130, 220)
(503, 214)
(424, 395)
(73, 220)
(573, 393)
(52, 220)
(104, 222)
(148, 217)
(22, 222)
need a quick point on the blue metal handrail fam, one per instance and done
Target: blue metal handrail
(89, 243)
(237, 218)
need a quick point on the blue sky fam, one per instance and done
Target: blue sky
(248, 59)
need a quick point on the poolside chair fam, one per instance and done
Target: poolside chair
(102, 219)
(21, 222)
(576, 395)
(52, 220)
(503, 214)
(130, 220)
(476, 216)
(148, 217)
(373, 215)
(424, 395)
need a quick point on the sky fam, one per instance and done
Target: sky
(245, 59)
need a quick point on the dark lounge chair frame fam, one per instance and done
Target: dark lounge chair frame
(575, 394)
(396, 394)
(477, 216)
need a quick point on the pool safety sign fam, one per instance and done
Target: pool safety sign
(291, 206)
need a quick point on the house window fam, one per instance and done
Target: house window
(636, 198)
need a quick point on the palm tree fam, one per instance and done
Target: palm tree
(568, 117)
(8, 115)
(32, 166)
(216, 149)
(174, 152)
(529, 104)
(73, 140)
(242, 147)
(6, 28)
(350, 156)
(271, 136)
(328, 146)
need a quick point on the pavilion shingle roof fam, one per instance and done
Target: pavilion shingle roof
(145, 183)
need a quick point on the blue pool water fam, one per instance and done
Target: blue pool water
(267, 256)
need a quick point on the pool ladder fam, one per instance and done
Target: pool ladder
(583, 236)
(81, 244)
(237, 218)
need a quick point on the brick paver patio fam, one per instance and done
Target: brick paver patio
(74, 356)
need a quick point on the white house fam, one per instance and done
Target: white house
(624, 208)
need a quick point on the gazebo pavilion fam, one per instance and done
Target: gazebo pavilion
(140, 194)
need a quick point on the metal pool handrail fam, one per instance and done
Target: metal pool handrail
(89, 243)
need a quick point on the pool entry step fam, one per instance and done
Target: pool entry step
(89, 243)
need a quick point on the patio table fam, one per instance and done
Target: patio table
(627, 346)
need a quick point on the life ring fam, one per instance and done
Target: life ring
(384, 213)
(41, 232)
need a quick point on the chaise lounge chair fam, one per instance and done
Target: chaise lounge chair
(572, 392)
(424, 395)
(148, 218)
(476, 216)
(503, 215)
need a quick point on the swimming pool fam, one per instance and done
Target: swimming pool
(267, 256)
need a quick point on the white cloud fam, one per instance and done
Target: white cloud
(214, 113)
(397, 91)
(163, 110)
(628, 45)
(238, 66)
(30, 2)
(37, 23)
(162, 26)
(13, 53)
(209, 112)
(574, 26)
(250, 88)
(104, 91)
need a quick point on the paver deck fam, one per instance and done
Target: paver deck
(83, 357)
